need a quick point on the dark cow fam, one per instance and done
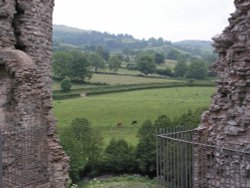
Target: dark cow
(134, 122)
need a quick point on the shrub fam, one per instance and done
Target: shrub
(119, 157)
(66, 84)
(83, 145)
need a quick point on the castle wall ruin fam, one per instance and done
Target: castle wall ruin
(25, 94)
(227, 122)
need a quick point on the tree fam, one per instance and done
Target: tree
(103, 53)
(180, 69)
(197, 70)
(145, 64)
(61, 64)
(146, 149)
(66, 84)
(173, 54)
(82, 144)
(164, 72)
(114, 63)
(119, 157)
(79, 66)
(159, 58)
(96, 61)
(72, 64)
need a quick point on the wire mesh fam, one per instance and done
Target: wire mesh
(182, 162)
(24, 158)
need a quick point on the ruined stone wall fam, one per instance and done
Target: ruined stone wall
(227, 122)
(25, 94)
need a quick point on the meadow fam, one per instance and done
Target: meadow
(107, 110)
(120, 182)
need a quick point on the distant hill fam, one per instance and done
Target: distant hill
(89, 40)
(195, 47)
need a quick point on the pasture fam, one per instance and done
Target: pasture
(107, 110)
(126, 80)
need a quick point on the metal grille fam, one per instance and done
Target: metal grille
(24, 158)
(184, 163)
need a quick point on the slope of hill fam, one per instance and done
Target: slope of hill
(88, 40)
(195, 47)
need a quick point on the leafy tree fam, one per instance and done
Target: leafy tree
(61, 64)
(146, 149)
(197, 70)
(189, 120)
(173, 54)
(79, 66)
(103, 53)
(114, 63)
(119, 157)
(159, 58)
(66, 84)
(180, 69)
(164, 72)
(146, 65)
(96, 61)
(72, 64)
(82, 144)
(163, 121)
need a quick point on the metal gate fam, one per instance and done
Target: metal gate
(23, 158)
(183, 162)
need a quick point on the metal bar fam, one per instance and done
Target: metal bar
(190, 142)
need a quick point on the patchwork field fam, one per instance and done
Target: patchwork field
(106, 111)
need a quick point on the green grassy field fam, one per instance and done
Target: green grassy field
(168, 63)
(126, 80)
(105, 111)
(110, 79)
(120, 182)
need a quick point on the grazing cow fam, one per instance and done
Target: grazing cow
(134, 122)
(119, 124)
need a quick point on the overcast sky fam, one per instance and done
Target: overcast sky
(171, 19)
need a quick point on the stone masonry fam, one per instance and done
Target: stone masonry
(25, 87)
(227, 122)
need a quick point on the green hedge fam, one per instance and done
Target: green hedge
(59, 95)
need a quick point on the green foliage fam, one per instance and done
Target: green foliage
(66, 84)
(189, 119)
(119, 157)
(146, 148)
(164, 72)
(159, 58)
(102, 52)
(104, 111)
(146, 65)
(83, 145)
(163, 121)
(96, 61)
(180, 69)
(197, 70)
(114, 63)
(145, 151)
(72, 64)
(173, 54)
(61, 64)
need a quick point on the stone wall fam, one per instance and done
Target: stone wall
(25, 83)
(227, 122)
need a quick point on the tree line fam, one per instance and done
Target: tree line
(79, 65)
(88, 156)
